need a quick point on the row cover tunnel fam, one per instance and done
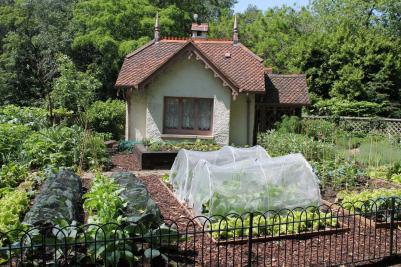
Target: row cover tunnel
(238, 180)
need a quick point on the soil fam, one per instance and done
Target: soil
(124, 162)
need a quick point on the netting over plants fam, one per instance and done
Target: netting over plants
(186, 160)
(58, 200)
(277, 183)
(140, 206)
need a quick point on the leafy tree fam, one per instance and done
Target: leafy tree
(73, 90)
(33, 33)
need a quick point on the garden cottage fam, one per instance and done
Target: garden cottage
(188, 88)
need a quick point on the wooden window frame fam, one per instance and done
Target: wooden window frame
(180, 130)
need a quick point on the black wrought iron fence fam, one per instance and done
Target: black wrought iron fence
(328, 235)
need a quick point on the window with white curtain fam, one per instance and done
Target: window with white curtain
(188, 115)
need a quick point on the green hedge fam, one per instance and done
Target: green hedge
(107, 117)
(11, 138)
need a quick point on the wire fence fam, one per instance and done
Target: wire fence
(327, 235)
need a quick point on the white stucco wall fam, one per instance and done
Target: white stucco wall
(238, 118)
(135, 124)
(186, 78)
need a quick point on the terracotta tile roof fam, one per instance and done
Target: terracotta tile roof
(204, 27)
(286, 89)
(236, 63)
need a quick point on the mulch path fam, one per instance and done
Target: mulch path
(170, 207)
(359, 244)
(124, 162)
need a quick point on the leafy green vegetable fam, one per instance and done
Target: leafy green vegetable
(372, 203)
(198, 145)
(12, 206)
(103, 202)
(11, 174)
(279, 224)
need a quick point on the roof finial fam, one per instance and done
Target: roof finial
(235, 31)
(157, 28)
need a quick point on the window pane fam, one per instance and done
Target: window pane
(205, 114)
(172, 113)
(188, 116)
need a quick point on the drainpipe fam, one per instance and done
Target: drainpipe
(248, 113)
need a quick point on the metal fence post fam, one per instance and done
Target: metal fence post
(250, 236)
(392, 212)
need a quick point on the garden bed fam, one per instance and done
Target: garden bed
(372, 207)
(151, 160)
(342, 228)
(308, 248)
(338, 229)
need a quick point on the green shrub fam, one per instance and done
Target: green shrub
(278, 144)
(107, 117)
(343, 107)
(126, 145)
(64, 146)
(11, 138)
(289, 124)
(11, 174)
(319, 129)
(338, 174)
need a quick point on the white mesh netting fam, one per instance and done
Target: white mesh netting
(271, 184)
(182, 170)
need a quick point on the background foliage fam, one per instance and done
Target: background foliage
(350, 50)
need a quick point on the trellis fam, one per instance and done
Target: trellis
(369, 124)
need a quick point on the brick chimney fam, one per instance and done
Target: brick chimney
(199, 30)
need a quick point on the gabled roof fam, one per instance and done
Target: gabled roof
(290, 89)
(236, 65)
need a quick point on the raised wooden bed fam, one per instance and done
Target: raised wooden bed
(154, 160)
(343, 228)
(363, 220)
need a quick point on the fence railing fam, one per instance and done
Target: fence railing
(329, 235)
(367, 124)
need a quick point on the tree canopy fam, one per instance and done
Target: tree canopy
(350, 50)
